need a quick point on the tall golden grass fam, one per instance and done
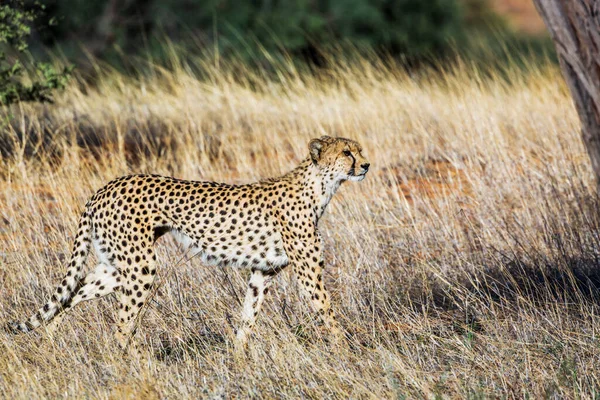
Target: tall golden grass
(464, 266)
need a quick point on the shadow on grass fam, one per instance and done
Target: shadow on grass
(567, 276)
(45, 138)
(559, 263)
(572, 280)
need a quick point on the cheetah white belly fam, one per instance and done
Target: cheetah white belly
(266, 258)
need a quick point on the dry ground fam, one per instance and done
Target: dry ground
(521, 14)
(464, 266)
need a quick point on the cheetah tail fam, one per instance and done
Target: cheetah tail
(70, 283)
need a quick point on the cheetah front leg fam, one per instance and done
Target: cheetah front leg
(312, 288)
(307, 261)
(258, 286)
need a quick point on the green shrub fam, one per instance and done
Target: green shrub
(15, 21)
(413, 28)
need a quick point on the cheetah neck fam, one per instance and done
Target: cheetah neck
(318, 185)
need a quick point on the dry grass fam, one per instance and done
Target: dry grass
(465, 265)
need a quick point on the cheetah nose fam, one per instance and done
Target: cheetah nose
(365, 166)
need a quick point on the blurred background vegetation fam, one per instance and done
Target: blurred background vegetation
(122, 32)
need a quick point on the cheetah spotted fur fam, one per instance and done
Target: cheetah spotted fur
(264, 226)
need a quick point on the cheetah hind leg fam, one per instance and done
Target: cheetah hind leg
(101, 281)
(136, 289)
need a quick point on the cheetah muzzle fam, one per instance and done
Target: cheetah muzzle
(264, 226)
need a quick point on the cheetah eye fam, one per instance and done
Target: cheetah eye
(347, 153)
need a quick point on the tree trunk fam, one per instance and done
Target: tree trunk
(574, 26)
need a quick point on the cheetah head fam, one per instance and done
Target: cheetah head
(339, 157)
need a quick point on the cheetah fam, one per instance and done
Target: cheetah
(264, 226)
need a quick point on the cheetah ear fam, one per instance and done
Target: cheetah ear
(315, 146)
